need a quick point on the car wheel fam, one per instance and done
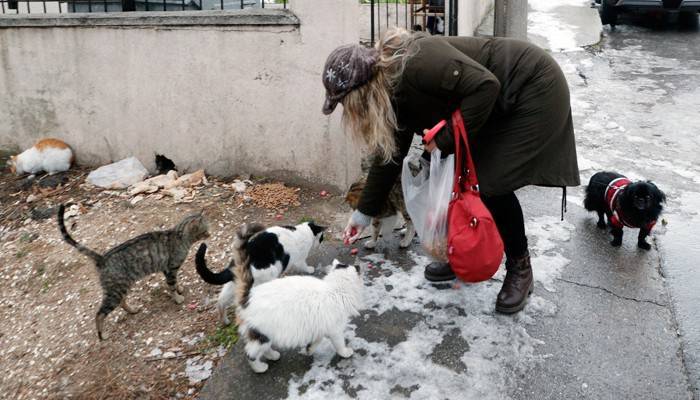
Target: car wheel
(608, 13)
(688, 19)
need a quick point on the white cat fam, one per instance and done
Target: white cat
(49, 155)
(272, 251)
(296, 311)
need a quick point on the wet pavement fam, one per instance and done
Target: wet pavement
(635, 101)
(603, 322)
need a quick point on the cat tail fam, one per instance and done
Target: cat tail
(61, 225)
(241, 270)
(212, 278)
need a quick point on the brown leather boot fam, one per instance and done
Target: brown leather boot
(517, 285)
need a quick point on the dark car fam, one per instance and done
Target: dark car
(610, 9)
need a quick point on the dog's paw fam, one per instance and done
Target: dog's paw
(616, 242)
(644, 245)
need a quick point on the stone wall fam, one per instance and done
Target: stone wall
(229, 91)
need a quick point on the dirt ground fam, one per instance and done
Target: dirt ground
(50, 292)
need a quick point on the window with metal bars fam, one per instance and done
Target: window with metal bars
(437, 17)
(96, 6)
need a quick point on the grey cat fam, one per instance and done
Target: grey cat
(123, 265)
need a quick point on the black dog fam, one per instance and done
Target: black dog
(625, 203)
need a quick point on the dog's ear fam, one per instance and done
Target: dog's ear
(660, 196)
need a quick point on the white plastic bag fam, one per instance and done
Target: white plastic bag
(427, 196)
(119, 175)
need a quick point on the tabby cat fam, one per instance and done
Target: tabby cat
(123, 265)
(386, 220)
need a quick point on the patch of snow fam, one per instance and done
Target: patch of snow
(499, 346)
(543, 21)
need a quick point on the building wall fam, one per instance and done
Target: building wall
(471, 13)
(232, 92)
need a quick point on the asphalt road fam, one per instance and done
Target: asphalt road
(638, 96)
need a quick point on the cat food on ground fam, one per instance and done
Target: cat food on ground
(274, 196)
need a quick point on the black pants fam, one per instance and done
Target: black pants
(508, 216)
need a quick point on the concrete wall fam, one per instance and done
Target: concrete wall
(232, 92)
(471, 13)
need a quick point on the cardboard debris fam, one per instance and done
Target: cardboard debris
(194, 179)
(152, 185)
(179, 188)
(176, 193)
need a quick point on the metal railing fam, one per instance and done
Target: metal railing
(90, 6)
(432, 16)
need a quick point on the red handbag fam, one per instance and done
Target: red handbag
(474, 246)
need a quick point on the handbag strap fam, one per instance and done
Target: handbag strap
(464, 179)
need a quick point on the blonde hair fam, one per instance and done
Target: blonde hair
(368, 113)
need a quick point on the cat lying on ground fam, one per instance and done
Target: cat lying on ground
(272, 251)
(292, 311)
(47, 155)
(123, 265)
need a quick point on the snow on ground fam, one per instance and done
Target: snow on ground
(497, 344)
(544, 21)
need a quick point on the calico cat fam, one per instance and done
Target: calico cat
(292, 311)
(49, 155)
(121, 266)
(273, 251)
(386, 220)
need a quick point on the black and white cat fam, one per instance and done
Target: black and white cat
(293, 311)
(272, 251)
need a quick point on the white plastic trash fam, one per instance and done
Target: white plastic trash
(119, 175)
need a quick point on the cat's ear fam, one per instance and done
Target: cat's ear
(316, 229)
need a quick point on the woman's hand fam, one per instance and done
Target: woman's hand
(430, 146)
(356, 225)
